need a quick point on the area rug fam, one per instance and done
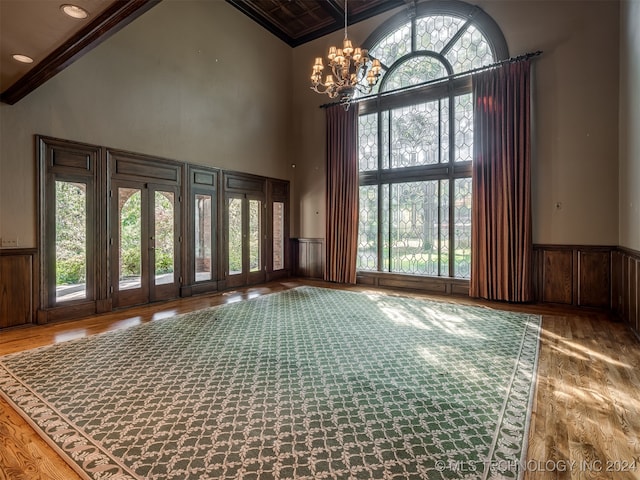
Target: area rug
(309, 383)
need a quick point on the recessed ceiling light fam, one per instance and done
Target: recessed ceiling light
(22, 58)
(74, 11)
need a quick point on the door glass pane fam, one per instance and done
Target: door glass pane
(235, 236)
(255, 253)
(278, 235)
(202, 246)
(163, 238)
(130, 215)
(71, 241)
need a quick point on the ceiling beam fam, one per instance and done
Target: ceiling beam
(111, 20)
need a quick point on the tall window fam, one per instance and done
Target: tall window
(416, 142)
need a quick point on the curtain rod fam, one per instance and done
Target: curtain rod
(519, 58)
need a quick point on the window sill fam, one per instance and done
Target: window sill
(438, 285)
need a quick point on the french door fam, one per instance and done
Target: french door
(145, 242)
(245, 239)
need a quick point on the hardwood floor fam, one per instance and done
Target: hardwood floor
(586, 414)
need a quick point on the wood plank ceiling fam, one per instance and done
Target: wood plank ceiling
(300, 21)
(38, 29)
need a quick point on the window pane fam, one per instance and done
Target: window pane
(470, 51)
(130, 214)
(278, 235)
(386, 227)
(462, 238)
(163, 239)
(255, 222)
(414, 71)
(444, 130)
(71, 241)
(415, 134)
(386, 146)
(414, 228)
(235, 236)
(368, 228)
(434, 32)
(368, 142)
(393, 46)
(444, 227)
(202, 246)
(464, 128)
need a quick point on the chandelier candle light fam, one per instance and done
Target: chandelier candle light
(351, 70)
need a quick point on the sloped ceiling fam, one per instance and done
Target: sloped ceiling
(39, 29)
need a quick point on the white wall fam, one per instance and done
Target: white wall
(194, 81)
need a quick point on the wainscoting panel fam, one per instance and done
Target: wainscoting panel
(436, 285)
(617, 268)
(594, 278)
(634, 293)
(308, 257)
(625, 286)
(574, 275)
(557, 276)
(16, 287)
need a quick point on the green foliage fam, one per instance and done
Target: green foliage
(130, 263)
(235, 235)
(71, 233)
(70, 271)
(164, 263)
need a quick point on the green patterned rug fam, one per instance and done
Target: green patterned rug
(310, 383)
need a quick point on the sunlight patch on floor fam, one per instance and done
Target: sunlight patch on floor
(164, 314)
(126, 323)
(70, 335)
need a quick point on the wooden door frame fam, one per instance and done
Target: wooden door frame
(247, 187)
(154, 174)
(129, 297)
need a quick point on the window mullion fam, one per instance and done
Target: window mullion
(380, 217)
(452, 152)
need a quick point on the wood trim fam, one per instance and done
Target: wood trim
(277, 191)
(309, 257)
(200, 181)
(18, 269)
(578, 275)
(110, 21)
(18, 251)
(83, 163)
(625, 274)
(137, 167)
(437, 285)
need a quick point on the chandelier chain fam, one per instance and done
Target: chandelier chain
(345, 19)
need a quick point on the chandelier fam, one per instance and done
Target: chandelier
(351, 70)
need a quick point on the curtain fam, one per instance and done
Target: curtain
(342, 194)
(501, 238)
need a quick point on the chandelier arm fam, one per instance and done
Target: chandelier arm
(351, 70)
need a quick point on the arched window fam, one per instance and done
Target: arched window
(416, 140)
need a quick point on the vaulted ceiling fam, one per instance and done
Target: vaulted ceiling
(39, 29)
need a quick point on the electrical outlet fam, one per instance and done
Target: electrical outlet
(10, 242)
